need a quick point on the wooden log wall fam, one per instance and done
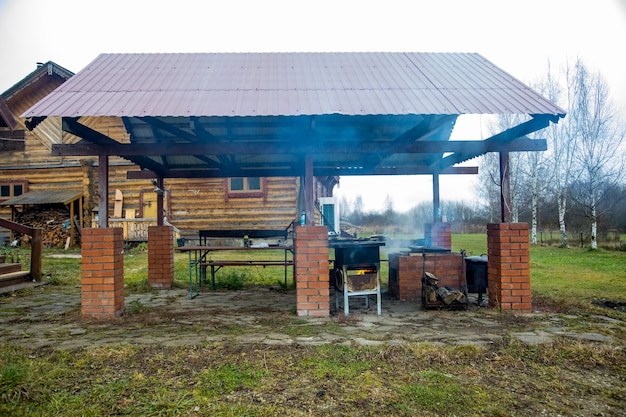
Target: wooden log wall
(202, 204)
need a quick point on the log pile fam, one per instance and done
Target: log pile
(54, 220)
(434, 296)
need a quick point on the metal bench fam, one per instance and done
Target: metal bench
(198, 262)
(216, 265)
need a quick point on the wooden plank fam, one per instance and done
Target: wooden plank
(240, 233)
(119, 201)
(326, 147)
(16, 227)
(36, 254)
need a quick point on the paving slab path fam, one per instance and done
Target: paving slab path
(49, 316)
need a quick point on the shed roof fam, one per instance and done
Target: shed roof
(38, 197)
(291, 84)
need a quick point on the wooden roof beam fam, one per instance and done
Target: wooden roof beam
(289, 171)
(74, 127)
(420, 147)
(502, 139)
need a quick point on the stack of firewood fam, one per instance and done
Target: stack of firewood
(54, 220)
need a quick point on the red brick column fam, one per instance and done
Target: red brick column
(508, 272)
(160, 256)
(439, 234)
(311, 271)
(102, 283)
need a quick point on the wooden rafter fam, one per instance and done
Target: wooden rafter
(74, 127)
(503, 139)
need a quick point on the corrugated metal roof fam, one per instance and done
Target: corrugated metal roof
(44, 197)
(290, 84)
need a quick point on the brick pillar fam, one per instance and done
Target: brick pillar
(160, 256)
(102, 283)
(508, 272)
(311, 271)
(438, 234)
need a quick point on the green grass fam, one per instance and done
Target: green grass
(473, 244)
(250, 380)
(570, 276)
(577, 274)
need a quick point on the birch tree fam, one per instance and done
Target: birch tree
(489, 185)
(538, 163)
(599, 137)
(562, 142)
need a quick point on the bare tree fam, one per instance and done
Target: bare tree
(537, 163)
(563, 151)
(388, 209)
(599, 136)
(357, 210)
(489, 185)
(344, 207)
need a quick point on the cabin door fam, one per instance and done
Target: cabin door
(149, 204)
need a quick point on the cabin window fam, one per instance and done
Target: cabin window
(241, 187)
(9, 189)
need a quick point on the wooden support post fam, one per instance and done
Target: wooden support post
(309, 192)
(159, 200)
(505, 188)
(72, 225)
(103, 191)
(36, 251)
(80, 215)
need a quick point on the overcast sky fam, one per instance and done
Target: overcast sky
(518, 36)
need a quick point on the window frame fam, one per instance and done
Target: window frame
(11, 184)
(246, 192)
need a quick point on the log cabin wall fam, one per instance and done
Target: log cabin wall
(205, 204)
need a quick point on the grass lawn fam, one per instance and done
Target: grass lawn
(566, 276)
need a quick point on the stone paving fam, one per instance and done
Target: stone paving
(49, 316)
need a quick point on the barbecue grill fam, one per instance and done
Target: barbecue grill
(476, 274)
(357, 271)
(429, 249)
